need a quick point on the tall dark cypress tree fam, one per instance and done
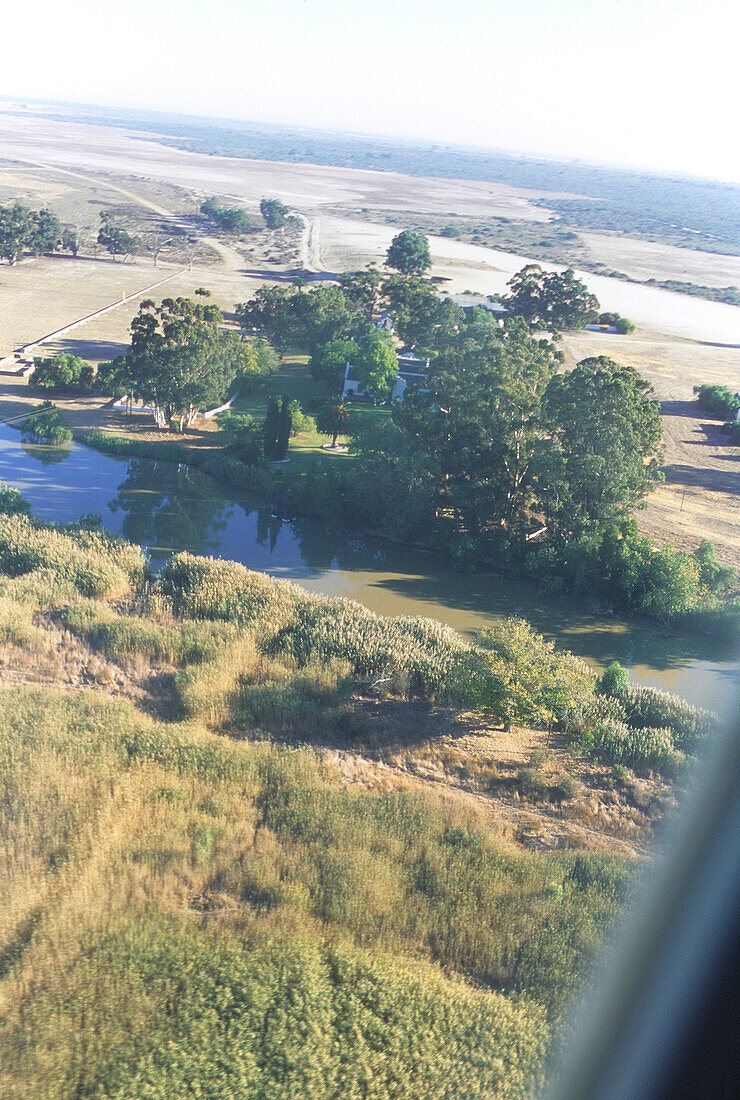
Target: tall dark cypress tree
(272, 426)
(284, 426)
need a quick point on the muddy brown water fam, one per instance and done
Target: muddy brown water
(167, 508)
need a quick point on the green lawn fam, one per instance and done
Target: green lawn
(294, 380)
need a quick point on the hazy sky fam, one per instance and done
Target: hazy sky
(639, 82)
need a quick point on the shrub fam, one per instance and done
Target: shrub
(717, 578)
(61, 372)
(614, 680)
(300, 421)
(93, 563)
(535, 683)
(531, 783)
(638, 748)
(126, 637)
(12, 503)
(647, 707)
(204, 588)
(565, 789)
(718, 400)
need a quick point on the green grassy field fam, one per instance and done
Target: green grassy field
(294, 380)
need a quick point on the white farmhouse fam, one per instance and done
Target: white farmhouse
(412, 371)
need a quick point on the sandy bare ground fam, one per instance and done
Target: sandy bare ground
(98, 150)
(649, 260)
(103, 149)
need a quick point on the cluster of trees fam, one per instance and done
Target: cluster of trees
(231, 219)
(61, 372)
(274, 212)
(45, 426)
(551, 300)
(503, 454)
(38, 232)
(117, 240)
(180, 360)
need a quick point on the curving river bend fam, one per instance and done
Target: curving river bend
(168, 508)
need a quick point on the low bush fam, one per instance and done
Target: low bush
(647, 707)
(12, 503)
(718, 400)
(644, 748)
(533, 683)
(126, 637)
(205, 588)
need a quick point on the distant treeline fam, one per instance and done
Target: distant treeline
(694, 213)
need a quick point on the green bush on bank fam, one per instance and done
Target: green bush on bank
(12, 503)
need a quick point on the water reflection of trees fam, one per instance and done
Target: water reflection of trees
(47, 456)
(171, 507)
(269, 526)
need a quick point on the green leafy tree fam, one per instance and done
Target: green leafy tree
(72, 239)
(413, 304)
(533, 683)
(480, 421)
(244, 434)
(623, 325)
(328, 362)
(22, 229)
(116, 240)
(409, 253)
(334, 420)
(285, 425)
(554, 300)
(274, 212)
(614, 680)
(12, 503)
(714, 576)
(231, 219)
(13, 232)
(180, 360)
(364, 289)
(288, 317)
(271, 429)
(45, 426)
(607, 432)
(377, 363)
(61, 372)
(45, 232)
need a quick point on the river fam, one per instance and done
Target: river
(167, 508)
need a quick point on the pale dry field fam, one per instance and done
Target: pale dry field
(649, 260)
(101, 149)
